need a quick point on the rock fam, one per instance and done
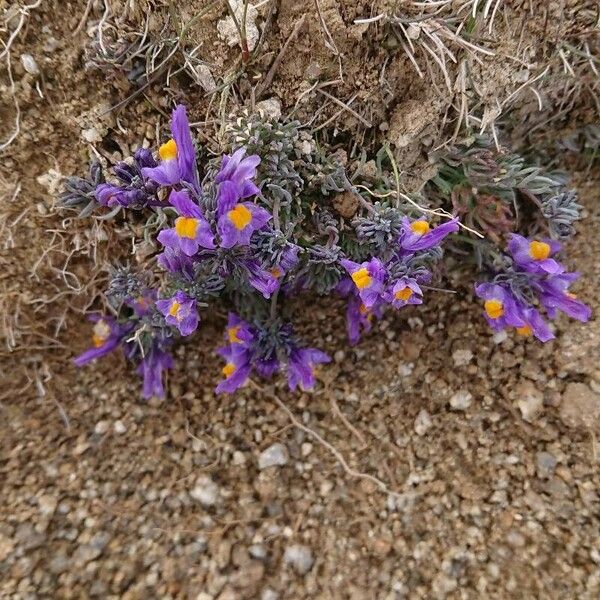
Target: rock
(299, 557)
(101, 427)
(29, 64)
(346, 204)
(91, 135)
(27, 537)
(306, 449)
(580, 406)
(461, 400)
(275, 455)
(270, 107)
(59, 564)
(529, 400)
(206, 491)
(500, 336)
(258, 551)
(269, 594)
(462, 358)
(6, 547)
(546, 463)
(119, 427)
(205, 78)
(228, 31)
(47, 504)
(423, 422)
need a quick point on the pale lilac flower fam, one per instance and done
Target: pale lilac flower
(181, 312)
(177, 156)
(534, 255)
(191, 230)
(368, 277)
(418, 235)
(235, 180)
(237, 224)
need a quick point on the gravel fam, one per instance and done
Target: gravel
(299, 557)
(274, 456)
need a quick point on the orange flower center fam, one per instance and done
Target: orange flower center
(361, 278)
(186, 227)
(404, 294)
(174, 310)
(228, 369)
(494, 309)
(232, 334)
(539, 250)
(240, 216)
(168, 150)
(525, 331)
(420, 227)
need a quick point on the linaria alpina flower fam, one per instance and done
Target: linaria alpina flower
(107, 336)
(555, 296)
(238, 332)
(151, 370)
(418, 235)
(535, 325)
(237, 225)
(181, 312)
(135, 190)
(191, 230)
(534, 255)
(177, 156)
(404, 291)
(236, 370)
(501, 307)
(368, 278)
(301, 366)
(234, 179)
(175, 261)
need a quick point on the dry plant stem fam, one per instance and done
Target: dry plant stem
(266, 83)
(332, 449)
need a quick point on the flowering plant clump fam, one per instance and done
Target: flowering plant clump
(273, 219)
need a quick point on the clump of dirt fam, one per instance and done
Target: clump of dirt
(488, 461)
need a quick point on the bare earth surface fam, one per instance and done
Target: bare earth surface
(449, 463)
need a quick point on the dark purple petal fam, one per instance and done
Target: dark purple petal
(186, 152)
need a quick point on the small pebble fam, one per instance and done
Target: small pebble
(206, 491)
(119, 427)
(423, 422)
(274, 456)
(461, 400)
(29, 64)
(299, 557)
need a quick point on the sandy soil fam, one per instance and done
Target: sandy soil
(484, 450)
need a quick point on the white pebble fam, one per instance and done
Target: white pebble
(101, 427)
(461, 400)
(119, 427)
(275, 455)
(423, 422)
(29, 64)
(206, 491)
(299, 557)
(462, 358)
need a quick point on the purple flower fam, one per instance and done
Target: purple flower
(266, 282)
(236, 370)
(502, 309)
(142, 304)
(359, 318)
(181, 312)
(535, 325)
(135, 191)
(555, 296)
(107, 335)
(301, 367)
(191, 229)
(405, 291)
(266, 366)
(235, 180)
(368, 278)
(175, 261)
(289, 259)
(238, 332)
(177, 156)
(534, 255)
(418, 235)
(237, 224)
(151, 369)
